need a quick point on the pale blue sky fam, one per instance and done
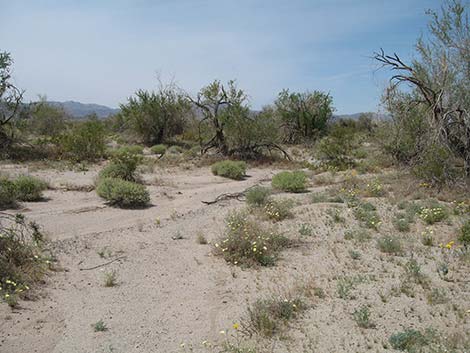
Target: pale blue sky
(102, 51)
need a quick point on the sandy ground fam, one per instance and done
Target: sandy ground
(173, 291)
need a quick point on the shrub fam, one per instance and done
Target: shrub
(464, 236)
(257, 196)
(290, 181)
(268, 316)
(247, 243)
(433, 214)
(277, 210)
(8, 193)
(389, 244)
(123, 166)
(85, 141)
(175, 149)
(22, 263)
(123, 193)
(158, 149)
(336, 149)
(131, 149)
(362, 317)
(367, 214)
(29, 188)
(409, 340)
(229, 169)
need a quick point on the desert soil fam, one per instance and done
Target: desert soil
(173, 293)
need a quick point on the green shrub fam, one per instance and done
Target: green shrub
(230, 169)
(367, 214)
(131, 149)
(123, 166)
(433, 214)
(29, 188)
(464, 236)
(257, 196)
(290, 181)
(247, 243)
(158, 149)
(267, 316)
(409, 340)
(123, 193)
(277, 210)
(362, 317)
(336, 149)
(86, 141)
(22, 263)
(389, 244)
(8, 193)
(175, 149)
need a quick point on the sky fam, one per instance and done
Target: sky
(102, 51)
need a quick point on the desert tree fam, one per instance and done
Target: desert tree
(45, 119)
(10, 99)
(303, 116)
(155, 116)
(438, 81)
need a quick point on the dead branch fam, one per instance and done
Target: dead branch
(102, 265)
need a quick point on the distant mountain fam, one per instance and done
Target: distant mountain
(378, 116)
(80, 110)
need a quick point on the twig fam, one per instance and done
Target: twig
(105, 264)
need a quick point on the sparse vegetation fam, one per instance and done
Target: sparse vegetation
(295, 181)
(278, 210)
(123, 193)
(389, 244)
(257, 196)
(29, 188)
(230, 169)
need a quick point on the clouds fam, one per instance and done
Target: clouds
(103, 51)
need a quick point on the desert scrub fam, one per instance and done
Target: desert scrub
(22, 259)
(229, 169)
(158, 149)
(100, 326)
(110, 279)
(306, 230)
(268, 316)
(362, 317)
(278, 210)
(8, 193)
(29, 188)
(410, 340)
(257, 196)
(464, 234)
(389, 245)
(123, 166)
(366, 213)
(247, 243)
(123, 193)
(434, 213)
(345, 285)
(295, 181)
(358, 235)
(375, 189)
(131, 149)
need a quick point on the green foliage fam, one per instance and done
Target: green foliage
(85, 141)
(158, 149)
(46, 119)
(156, 116)
(123, 193)
(335, 150)
(258, 196)
(129, 149)
(290, 181)
(230, 169)
(8, 193)
(389, 244)
(29, 188)
(366, 213)
(304, 116)
(247, 243)
(22, 263)
(100, 326)
(464, 234)
(123, 166)
(278, 210)
(268, 316)
(434, 213)
(410, 341)
(362, 317)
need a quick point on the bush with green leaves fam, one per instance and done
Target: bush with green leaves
(130, 149)
(433, 213)
(278, 210)
(123, 166)
(158, 149)
(123, 193)
(258, 196)
(367, 214)
(85, 141)
(230, 169)
(389, 244)
(337, 147)
(268, 316)
(464, 236)
(295, 181)
(248, 243)
(410, 340)
(8, 193)
(29, 188)
(22, 261)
